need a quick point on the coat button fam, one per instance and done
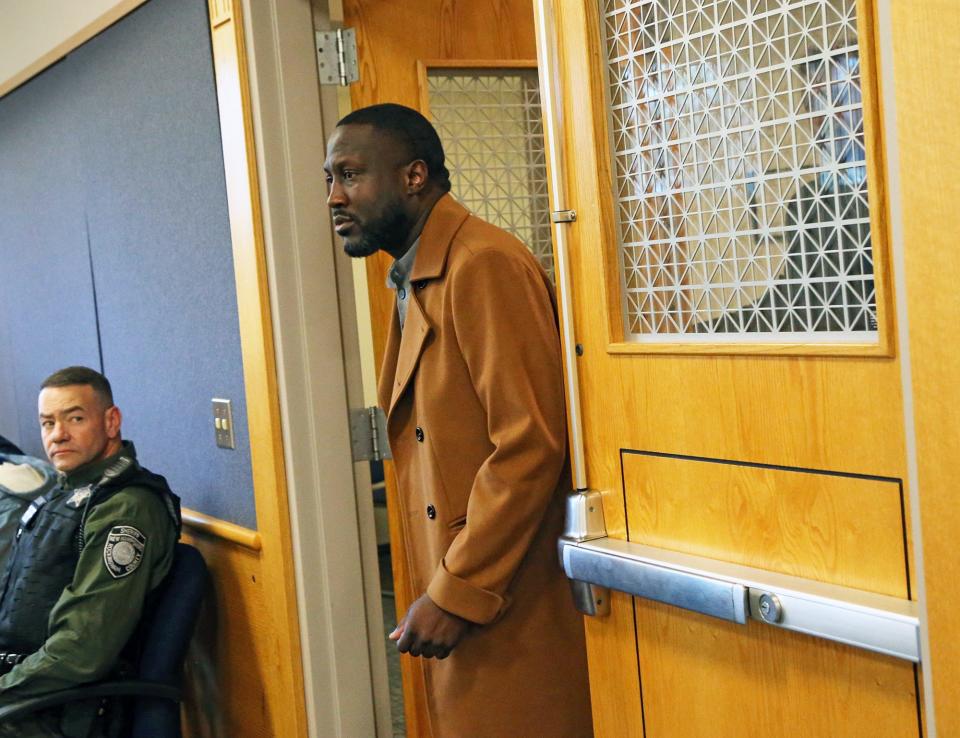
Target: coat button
(431, 512)
(420, 434)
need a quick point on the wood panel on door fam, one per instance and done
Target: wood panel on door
(783, 451)
(392, 38)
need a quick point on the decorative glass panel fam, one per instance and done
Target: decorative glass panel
(490, 123)
(740, 175)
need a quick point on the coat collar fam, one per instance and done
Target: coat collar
(442, 225)
(404, 348)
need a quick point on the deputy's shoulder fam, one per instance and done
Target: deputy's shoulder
(131, 503)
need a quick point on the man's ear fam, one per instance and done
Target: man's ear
(417, 176)
(112, 419)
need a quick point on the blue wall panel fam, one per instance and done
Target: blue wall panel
(147, 177)
(9, 416)
(157, 208)
(46, 301)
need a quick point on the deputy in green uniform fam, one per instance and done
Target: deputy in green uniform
(89, 548)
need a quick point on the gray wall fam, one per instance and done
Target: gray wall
(115, 246)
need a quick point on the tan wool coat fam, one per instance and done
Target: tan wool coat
(473, 389)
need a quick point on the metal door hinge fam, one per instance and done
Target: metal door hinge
(368, 434)
(337, 57)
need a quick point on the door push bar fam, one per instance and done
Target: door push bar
(595, 564)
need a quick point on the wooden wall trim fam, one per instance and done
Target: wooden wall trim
(206, 525)
(221, 11)
(280, 659)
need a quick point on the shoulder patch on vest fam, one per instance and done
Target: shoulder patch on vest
(123, 550)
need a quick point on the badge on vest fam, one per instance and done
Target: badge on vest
(81, 495)
(123, 551)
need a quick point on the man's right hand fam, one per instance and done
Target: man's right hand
(428, 630)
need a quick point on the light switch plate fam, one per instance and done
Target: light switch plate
(223, 423)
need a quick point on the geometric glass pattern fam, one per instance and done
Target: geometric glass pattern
(490, 123)
(740, 170)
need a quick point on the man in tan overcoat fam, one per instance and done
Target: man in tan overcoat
(472, 385)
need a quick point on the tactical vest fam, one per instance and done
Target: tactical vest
(13, 504)
(46, 548)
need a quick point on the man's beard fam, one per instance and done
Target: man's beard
(388, 231)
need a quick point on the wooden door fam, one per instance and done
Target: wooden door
(396, 42)
(738, 374)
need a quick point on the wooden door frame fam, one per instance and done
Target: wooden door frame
(318, 372)
(283, 681)
(926, 425)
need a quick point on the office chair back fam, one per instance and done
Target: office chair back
(166, 634)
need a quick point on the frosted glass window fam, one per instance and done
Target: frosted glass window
(490, 123)
(740, 170)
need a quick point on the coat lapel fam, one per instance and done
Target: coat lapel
(404, 348)
(388, 368)
(416, 331)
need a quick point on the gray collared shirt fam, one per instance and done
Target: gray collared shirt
(398, 278)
